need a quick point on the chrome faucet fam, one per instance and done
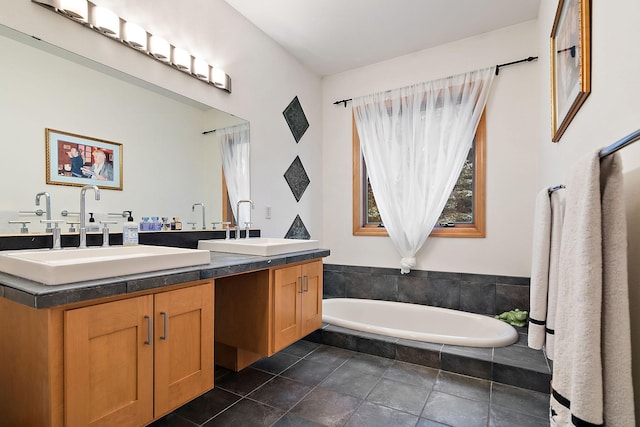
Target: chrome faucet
(238, 214)
(193, 209)
(55, 231)
(48, 207)
(83, 213)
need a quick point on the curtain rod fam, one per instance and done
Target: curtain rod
(529, 59)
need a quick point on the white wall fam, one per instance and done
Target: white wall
(512, 139)
(609, 113)
(265, 80)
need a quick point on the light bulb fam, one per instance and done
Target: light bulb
(135, 36)
(160, 48)
(106, 21)
(201, 69)
(181, 59)
(76, 9)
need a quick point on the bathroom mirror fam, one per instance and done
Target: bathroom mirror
(168, 164)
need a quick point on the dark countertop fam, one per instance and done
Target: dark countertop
(37, 295)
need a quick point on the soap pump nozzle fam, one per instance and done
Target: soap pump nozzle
(91, 218)
(130, 217)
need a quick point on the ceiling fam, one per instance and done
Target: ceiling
(331, 36)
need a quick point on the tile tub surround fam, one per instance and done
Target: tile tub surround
(476, 293)
(515, 365)
(308, 384)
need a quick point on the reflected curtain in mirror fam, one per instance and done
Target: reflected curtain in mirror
(234, 147)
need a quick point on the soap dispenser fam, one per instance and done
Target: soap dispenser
(92, 223)
(130, 231)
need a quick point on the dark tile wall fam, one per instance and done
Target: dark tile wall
(476, 293)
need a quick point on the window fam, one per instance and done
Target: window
(465, 208)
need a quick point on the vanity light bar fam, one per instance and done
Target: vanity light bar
(109, 24)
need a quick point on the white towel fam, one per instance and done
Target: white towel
(544, 270)
(539, 287)
(557, 219)
(616, 323)
(592, 366)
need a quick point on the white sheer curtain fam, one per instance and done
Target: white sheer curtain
(234, 147)
(414, 141)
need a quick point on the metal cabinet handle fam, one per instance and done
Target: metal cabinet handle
(149, 330)
(306, 288)
(301, 278)
(165, 320)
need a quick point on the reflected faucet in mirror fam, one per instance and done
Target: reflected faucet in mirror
(48, 207)
(83, 213)
(238, 219)
(193, 209)
(24, 229)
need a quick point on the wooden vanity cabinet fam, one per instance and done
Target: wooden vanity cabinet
(108, 364)
(130, 361)
(260, 313)
(120, 361)
(297, 303)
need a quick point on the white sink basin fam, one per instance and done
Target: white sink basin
(258, 246)
(74, 265)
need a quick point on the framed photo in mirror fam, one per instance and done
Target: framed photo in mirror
(570, 63)
(79, 160)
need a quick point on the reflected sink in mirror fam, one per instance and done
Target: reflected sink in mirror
(74, 265)
(258, 246)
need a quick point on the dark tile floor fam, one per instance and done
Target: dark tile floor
(310, 384)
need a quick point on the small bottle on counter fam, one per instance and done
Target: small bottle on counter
(130, 232)
(156, 225)
(176, 224)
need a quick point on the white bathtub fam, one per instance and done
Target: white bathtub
(418, 322)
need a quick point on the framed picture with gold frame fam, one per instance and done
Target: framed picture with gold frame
(570, 63)
(79, 160)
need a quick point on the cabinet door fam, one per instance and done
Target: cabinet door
(311, 297)
(183, 346)
(286, 306)
(108, 364)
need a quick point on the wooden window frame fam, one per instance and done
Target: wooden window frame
(475, 229)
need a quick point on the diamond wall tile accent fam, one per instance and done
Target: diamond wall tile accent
(297, 121)
(297, 230)
(297, 178)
